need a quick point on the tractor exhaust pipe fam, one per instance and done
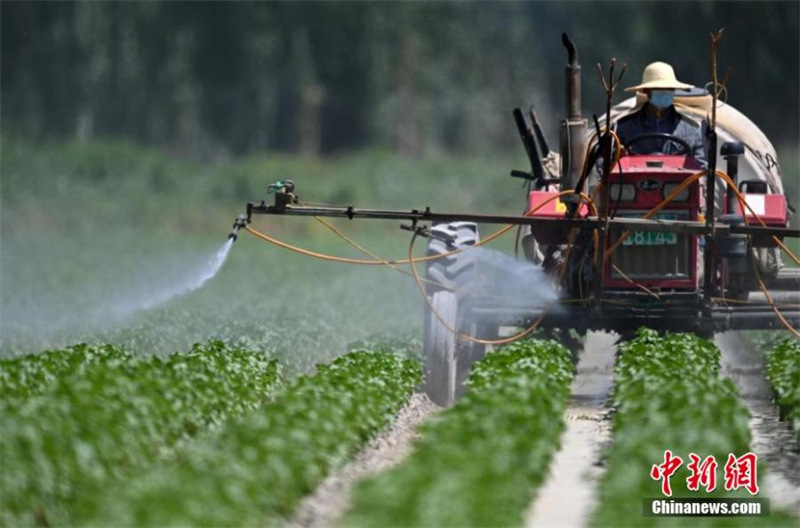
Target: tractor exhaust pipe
(572, 137)
(573, 79)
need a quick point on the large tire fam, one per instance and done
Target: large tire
(453, 268)
(448, 359)
(441, 349)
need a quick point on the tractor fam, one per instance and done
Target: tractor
(627, 239)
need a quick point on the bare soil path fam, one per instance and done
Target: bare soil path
(569, 494)
(328, 504)
(772, 440)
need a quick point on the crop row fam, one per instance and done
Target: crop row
(479, 463)
(96, 423)
(783, 372)
(254, 470)
(27, 376)
(669, 396)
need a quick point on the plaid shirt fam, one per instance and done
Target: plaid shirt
(645, 122)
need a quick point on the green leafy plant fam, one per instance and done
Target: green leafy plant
(669, 395)
(783, 371)
(763, 340)
(479, 463)
(255, 469)
(406, 344)
(26, 376)
(99, 423)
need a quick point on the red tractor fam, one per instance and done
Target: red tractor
(625, 239)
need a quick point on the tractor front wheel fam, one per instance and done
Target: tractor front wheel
(448, 358)
(441, 349)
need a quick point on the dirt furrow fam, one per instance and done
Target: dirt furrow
(772, 440)
(568, 496)
(326, 506)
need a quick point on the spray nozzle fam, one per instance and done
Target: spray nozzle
(240, 222)
(423, 231)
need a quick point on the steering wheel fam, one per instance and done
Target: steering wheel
(685, 148)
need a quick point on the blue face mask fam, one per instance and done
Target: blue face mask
(661, 99)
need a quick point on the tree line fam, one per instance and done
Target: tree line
(229, 78)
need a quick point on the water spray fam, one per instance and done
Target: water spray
(195, 280)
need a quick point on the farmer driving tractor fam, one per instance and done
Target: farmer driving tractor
(658, 116)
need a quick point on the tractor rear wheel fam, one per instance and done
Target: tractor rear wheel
(447, 358)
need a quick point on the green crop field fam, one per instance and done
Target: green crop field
(166, 364)
(783, 371)
(230, 404)
(108, 412)
(511, 416)
(669, 395)
(289, 445)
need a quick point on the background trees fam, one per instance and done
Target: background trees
(213, 79)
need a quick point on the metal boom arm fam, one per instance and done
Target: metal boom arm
(588, 223)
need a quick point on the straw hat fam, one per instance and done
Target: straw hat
(659, 76)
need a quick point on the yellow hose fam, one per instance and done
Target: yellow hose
(377, 260)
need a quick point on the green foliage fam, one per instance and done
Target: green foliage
(783, 371)
(478, 463)
(115, 184)
(405, 344)
(231, 77)
(669, 395)
(764, 340)
(96, 424)
(254, 470)
(27, 376)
